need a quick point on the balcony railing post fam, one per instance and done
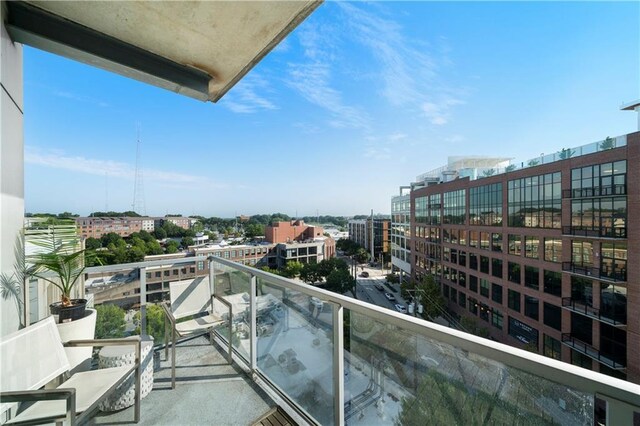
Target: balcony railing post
(253, 340)
(143, 301)
(338, 364)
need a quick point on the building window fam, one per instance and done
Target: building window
(496, 242)
(484, 264)
(532, 277)
(613, 302)
(553, 250)
(473, 306)
(552, 316)
(462, 279)
(462, 300)
(484, 287)
(473, 238)
(485, 205)
(582, 328)
(462, 237)
(582, 253)
(599, 180)
(473, 261)
(613, 260)
(535, 201)
(580, 360)
(462, 258)
(606, 217)
(484, 240)
(513, 272)
(553, 283)
(523, 332)
(515, 244)
(484, 312)
(531, 305)
(496, 319)
(582, 291)
(613, 343)
(473, 283)
(514, 300)
(453, 295)
(496, 293)
(445, 291)
(454, 207)
(552, 347)
(531, 247)
(496, 268)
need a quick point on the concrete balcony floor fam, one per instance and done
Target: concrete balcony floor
(208, 391)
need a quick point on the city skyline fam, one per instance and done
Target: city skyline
(338, 115)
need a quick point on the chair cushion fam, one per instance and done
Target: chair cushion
(198, 324)
(90, 386)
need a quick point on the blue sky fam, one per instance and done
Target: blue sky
(358, 100)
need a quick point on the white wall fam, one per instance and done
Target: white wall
(11, 164)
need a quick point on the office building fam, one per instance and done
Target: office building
(540, 253)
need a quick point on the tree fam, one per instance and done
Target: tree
(112, 238)
(110, 323)
(253, 230)
(510, 168)
(566, 153)
(292, 269)
(430, 296)
(171, 247)
(532, 163)
(155, 322)
(160, 233)
(187, 241)
(608, 143)
(489, 172)
(327, 266)
(310, 273)
(340, 281)
(92, 243)
(362, 255)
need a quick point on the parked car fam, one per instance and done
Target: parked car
(400, 308)
(379, 286)
(390, 296)
(364, 274)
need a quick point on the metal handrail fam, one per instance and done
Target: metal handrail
(590, 311)
(588, 350)
(538, 365)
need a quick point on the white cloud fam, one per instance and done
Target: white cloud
(409, 74)
(79, 98)
(313, 79)
(244, 97)
(79, 164)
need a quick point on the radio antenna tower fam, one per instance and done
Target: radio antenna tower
(138, 205)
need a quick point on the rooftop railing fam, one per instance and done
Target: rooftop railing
(338, 360)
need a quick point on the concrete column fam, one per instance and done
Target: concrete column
(11, 165)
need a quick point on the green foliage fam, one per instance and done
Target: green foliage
(510, 168)
(470, 325)
(608, 143)
(362, 255)
(393, 278)
(310, 273)
(349, 247)
(110, 323)
(186, 241)
(155, 323)
(92, 243)
(292, 269)
(340, 281)
(128, 213)
(430, 296)
(160, 233)
(532, 163)
(489, 172)
(252, 230)
(566, 153)
(171, 247)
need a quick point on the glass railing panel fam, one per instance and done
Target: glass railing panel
(395, 376)
(295, 347)
(235, 287)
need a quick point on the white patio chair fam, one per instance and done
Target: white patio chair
(192, 298)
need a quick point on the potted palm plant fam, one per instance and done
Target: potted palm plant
(63, 268)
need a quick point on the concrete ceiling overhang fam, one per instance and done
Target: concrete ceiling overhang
(200, 49)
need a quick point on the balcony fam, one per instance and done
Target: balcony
(596, 191)
(590, 351)
(601, 315)
(601, 232)
(609, 275)
(341, 361)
